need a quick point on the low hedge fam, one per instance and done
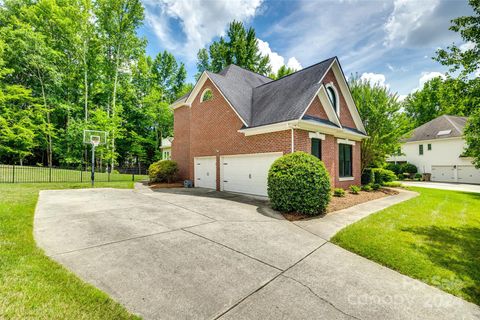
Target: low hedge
(383, 175)
(163, 171)
(408, 168)
(299, 182)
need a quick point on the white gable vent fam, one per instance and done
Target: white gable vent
(444, 132)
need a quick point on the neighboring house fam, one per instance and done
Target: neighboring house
(437, 147)
(233, 125)
(166, 148)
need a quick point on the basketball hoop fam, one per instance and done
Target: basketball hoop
(94, 138)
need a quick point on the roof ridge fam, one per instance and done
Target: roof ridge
(453, 124)
(298, 71)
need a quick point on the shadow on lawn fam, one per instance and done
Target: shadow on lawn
(456, 249)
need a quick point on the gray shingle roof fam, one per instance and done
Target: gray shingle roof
(451, 125)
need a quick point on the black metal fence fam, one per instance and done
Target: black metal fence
(31, 174)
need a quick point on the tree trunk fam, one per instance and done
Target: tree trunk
(49, 136)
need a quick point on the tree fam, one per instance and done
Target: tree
(282, 72)
(468, 61)
(472, 137)
(442, 96)
(383, 121)
(240, 48)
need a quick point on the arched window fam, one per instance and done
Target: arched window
(332, 96)
(206, 95)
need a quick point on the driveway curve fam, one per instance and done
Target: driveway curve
(199, 254)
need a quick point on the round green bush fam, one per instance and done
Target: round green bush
(383, 175)
(408, 168)
(163, 171)
(299, 182)
(395, 167)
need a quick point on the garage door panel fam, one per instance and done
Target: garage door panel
(443, 173)
(247, 173)
(468, 174)
(206, 172)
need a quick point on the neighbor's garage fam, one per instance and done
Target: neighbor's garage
(206, 172)
(468, 174)
(246, 173)
(443, 173)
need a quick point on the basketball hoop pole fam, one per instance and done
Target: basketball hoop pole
(93, 164)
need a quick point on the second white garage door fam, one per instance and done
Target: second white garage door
(468, 174)
(246, 173)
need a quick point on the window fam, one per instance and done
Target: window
(207, 95)
(332, 96)
(317, 148)
(345, 160)
(420, 149)
(429, 146)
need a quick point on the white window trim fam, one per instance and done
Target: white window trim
(203, 94)
(346, 141)
(346, 178)
(337, 97)
(316, 135)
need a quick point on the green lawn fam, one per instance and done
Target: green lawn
(29, 174)
(33, 286)
(434, 237)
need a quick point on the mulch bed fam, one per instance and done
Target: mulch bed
(164, 185)
(350, 200)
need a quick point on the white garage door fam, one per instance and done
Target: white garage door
(247, 173)
(206, 172)
(468, 174)
(443, 173)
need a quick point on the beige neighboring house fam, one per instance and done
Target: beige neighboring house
(166, 148)
(438, 147)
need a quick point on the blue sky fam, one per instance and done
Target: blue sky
(390, 42)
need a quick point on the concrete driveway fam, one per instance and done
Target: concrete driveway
(444, 186)
(198, 254)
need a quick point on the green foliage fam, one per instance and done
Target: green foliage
(418, 176)
(383, 175)
(240, 47)
(163, 171)
(393, 184)
(282, 72)
(338, 192)
(366, 187)
(408, 168)
(354, 189)
(368, 176)
(299, 182)
(472, 138)
(381, 116)
(376, 186)
(395, 167)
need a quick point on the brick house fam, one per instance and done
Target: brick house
(231, 127)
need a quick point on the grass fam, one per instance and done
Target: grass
(33, 286)
(434, 237)
(28, 174)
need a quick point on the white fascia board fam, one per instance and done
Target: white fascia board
(327, 129)
(348, 96)
(275, 127)
(432, 140)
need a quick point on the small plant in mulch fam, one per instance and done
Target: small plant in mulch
(376, 186)
(354, 189)
(338, 192)
(366, 187)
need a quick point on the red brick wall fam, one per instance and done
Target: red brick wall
(345, 116)
(316, 109)
(210, 128)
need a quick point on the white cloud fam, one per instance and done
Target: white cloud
(374, 79)
(200, 21)
(402, 97)
(427, 76)
(467, 46)
(276, 60)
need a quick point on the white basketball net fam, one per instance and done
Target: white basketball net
(95, 140)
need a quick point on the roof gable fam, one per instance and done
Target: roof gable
(439, 128)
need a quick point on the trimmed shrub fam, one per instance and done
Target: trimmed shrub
(299, 182)
(376, 186)
(368, 176)
(354, 189)
(393, 184)
(366, 187)
(408, 168)
(383, 175)
(163, 171)
(395, 167)
(418, 176)
(338, 192)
